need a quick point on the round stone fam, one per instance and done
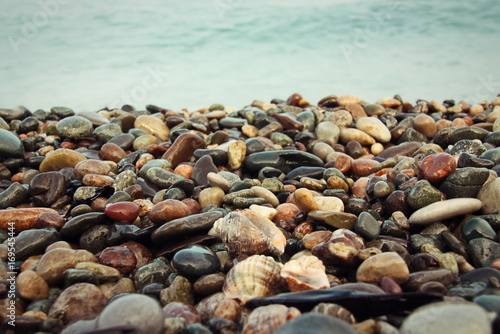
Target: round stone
(120, 258)
(59, 159)
(125, 212)
(436, 167)
(388, 264)
(318, 323)
(74, 127)
(422, 194)
(10, 145)
(31, 286)
(196, 261)
(447, 317)
(106, 132)
(141, 311)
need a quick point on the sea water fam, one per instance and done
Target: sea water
(187, 54)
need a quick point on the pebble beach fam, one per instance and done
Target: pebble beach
(282, 216)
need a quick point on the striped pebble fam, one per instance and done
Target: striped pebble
(445, 209)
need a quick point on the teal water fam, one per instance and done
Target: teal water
(175, 54)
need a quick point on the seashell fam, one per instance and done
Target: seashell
(335, 310)
(256, 276)
(305, 273)
(246, 232)
(266, 319)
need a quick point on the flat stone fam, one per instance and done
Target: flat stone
(34, 241)
(31, 286)
(445, 209)
(334, 219)
(464, 182)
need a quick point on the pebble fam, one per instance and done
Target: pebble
(74, 127)
(445, 209)
(31, 286)
(59, 159)
(124, 212)
(447, 317)
(375, 128)
(322, 324)
(10, 145)
(327, 132)
(81, 301)
(34, 241)
(388, 264)
(119, 257)
(54, 262)
(143, 312)
(483, 252)
(195, 261)
(478, 228)
(367, 226)
(23, 218)
(489, 195)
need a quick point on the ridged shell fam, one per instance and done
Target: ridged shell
(305, 273)
(266, 319)
(256, 276)
(335, 310)
(246, 232)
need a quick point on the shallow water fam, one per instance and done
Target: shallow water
(88, 55)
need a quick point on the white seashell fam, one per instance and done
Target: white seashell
(266, 319)
(256, 276)
(305, 273)
(246, 232)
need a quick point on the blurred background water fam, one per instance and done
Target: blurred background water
(91, 54)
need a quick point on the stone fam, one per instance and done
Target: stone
(483, 252)
(46, 188)
(202, 168)
(120, 258)
(375, 128)
(180, 290)
(33, 242)
(21, 219)
(124, 212)
(327, 132)
(342, 248)
(339, 220)
(489, 195)
(447, 317)
(478, 228)
(157, 271)
(285, 160)
(321, 323)
(445, 209)
(422, 194)
(10, 145)
(419, 278)
(425, 124)
(112, 152)
(467, 146)
(236, 154)
(14, 195)
(106, 132)
(367, 226)
(185, 226)
(31, 286)
(168, 210)
(59, 159)
(436, 167)
(79, 224)
(102, 272)
(183, 148)
(351, 134)
(143, 312)
(81, 301)
(388, 264)
(74, 127)
(54, 262)
(464, 182)
(195, 261)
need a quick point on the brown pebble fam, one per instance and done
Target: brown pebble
(112, 152)
(31, 286)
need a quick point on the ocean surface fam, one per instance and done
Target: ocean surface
(188, 54)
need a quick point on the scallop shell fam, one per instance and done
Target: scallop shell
(256, 276)
(266, 319)
(246, 232)
(334, 310)
(305, 273)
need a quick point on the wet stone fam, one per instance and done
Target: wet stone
(73, 276)
(195, 261)
(492, 154)
(422, 194)
(120, 258)
(367, 226)
(10, 145)
(34, 241)
(14, 195)
(74, 127)
(478, 228)
(283, 160)
(322, 324)
(467, 146)
(106, 132)
(219, 157)
(483, 252)
(180, 290)
(203, 166)
(94, 239)
(445, 209)
(157, 271)
(464, 182)
(77, 225)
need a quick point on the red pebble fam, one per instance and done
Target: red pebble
(119, 257)
(125, 212)
(436, 167)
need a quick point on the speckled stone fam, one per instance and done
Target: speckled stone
(464, 182)
(74, 127)
(367, 226)
(422, 194)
